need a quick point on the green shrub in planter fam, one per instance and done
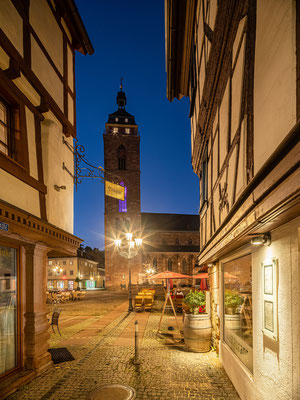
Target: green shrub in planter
(194, 300)
(232, 302)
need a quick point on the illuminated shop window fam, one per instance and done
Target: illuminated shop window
(8, 309)
(238, 329)
(123, 203)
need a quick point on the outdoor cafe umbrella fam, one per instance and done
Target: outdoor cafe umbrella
(169, 275)
(203, 276)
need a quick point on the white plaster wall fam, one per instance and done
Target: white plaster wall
(70, 109)
(59, 204)
(276, 364)
(46, 74)
(275, 76)
(70, 68)
(12, 24)
(43, 22)
(224, 124)
(31, 143)
(25, 87)
(27, 198)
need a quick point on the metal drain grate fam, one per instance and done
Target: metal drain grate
(112, 392)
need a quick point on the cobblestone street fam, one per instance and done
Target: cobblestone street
(100, 336)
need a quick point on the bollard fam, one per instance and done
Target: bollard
(136, 344)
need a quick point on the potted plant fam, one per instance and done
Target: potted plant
(232, 302)
(197, 325)
(195, 302)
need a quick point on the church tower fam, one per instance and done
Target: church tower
(122, 159)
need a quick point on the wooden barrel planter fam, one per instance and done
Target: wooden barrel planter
(197, 332)
(232, 322)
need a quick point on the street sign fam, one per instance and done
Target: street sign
(3, 226)
(113, 190)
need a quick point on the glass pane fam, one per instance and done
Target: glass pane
(3, 149)
(3, 133)
(238, 333)
(8, 309)
(3, 113)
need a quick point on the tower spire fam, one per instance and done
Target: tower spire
(121, 98)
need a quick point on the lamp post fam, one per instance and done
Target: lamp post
(128, 247)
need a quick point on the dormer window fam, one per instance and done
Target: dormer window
(126, 119)
(127, 130)
(116, 119)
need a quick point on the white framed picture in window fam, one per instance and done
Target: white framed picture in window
(269, 298)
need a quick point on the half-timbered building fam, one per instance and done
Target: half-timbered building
(38, 40)
(238, 62)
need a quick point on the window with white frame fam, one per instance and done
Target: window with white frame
(238, 328)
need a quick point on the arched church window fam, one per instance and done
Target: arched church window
(177, 241)
(123, 203)
(190, 241)
(154, 263)
(122, 157)
(169, 264)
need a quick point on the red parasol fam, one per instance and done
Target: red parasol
(203, 284)
(203, 275)
(169, 275)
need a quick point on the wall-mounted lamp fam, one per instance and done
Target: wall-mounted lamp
(59, 187)
(264, 239)
(210, 265)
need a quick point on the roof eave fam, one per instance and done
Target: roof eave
(75, 24)
(179, 25)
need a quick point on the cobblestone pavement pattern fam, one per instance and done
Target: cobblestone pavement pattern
(102, 345)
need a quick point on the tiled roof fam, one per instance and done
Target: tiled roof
(170, 222)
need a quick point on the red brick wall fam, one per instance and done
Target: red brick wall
(116, 267)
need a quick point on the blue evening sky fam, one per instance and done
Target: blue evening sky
(129, 41)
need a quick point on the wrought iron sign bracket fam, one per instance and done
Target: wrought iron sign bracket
(83, 168)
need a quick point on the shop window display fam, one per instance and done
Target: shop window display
(8, 309)
(238, 330)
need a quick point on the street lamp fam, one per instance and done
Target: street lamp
(128, 247)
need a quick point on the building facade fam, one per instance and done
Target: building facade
(38, 40)
(68, 273)
(238, 61)
(170, 241)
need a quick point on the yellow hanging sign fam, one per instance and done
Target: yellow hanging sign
(114, 190)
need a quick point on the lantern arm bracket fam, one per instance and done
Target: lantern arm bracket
(83, 168)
